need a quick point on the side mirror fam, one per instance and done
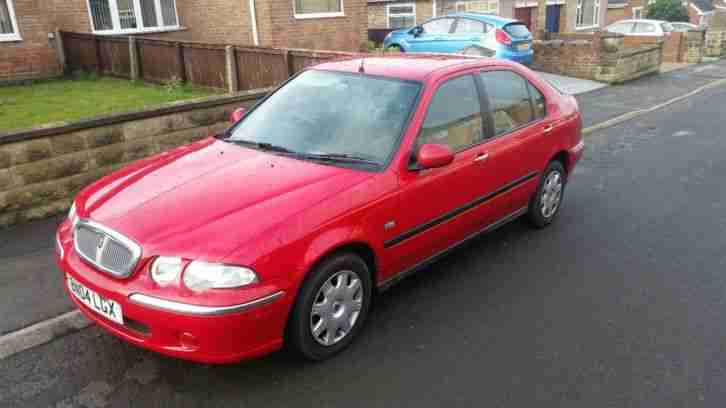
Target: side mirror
(238, 114)
(416, 31)
(430, 156)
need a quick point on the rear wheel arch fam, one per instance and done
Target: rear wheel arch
(562, 157)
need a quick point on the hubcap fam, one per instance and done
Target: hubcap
(551, 194)
(336, 308)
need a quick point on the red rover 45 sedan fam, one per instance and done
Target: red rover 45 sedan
(342, 181)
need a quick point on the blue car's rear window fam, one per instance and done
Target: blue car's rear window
(517, 30)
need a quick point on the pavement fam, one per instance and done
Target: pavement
(570, 85)
(619, 303)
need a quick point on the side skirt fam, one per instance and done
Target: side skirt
(388, 283)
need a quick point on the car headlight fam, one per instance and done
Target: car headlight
(166, 270)
(199, 276)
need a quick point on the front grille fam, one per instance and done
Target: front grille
(106, 249)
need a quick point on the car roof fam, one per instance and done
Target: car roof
(489, 18)
(415, 67)
(642, 20)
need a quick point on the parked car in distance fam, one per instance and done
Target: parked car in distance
(458, 33)
(344, 180)
(642, 27)
(682, 27)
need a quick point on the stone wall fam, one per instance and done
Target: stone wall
(42, 169)
(715, 43)
(600, 56)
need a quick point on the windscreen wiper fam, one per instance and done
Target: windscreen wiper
(269, 147)
(341, 157)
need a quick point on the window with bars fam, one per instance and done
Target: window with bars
(129, 16)
(8, 23)
(401, 15)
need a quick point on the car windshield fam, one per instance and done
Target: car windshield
(517, 30)
(332, 114)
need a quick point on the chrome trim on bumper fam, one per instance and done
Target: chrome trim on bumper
(196, 310)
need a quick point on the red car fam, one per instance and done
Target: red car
(347, 178)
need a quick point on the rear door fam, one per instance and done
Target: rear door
(517, 114)
(520, 35)
(468, 32)
(434, 37)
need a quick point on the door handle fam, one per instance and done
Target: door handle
(481, 157)
(548, 129)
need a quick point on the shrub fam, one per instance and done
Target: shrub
(668, 10)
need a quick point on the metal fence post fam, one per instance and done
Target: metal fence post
(231, 68)
(133, 58)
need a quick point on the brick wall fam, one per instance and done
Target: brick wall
(687, 47)
(279, 28)
(42, 169)
(600, 57)
(70, 15)
(214, 21)
(617, 14)
(34, 56)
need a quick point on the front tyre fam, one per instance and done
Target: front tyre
(544, 206)
(330, 308)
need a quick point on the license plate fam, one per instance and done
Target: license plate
(523, 47)
(99, 304)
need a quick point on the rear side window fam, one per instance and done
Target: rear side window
(438, 26)
(517, 30)
(467, 26)
(668, 27)
(644, 28)
(621, 28)
(454, 116)
(509, 101)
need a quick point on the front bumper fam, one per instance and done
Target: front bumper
(206, 334)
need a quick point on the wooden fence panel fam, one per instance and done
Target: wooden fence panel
(260, 67)
(205, 64)
(302, 59)
(115, 59)
(80, 50)
(158, 60)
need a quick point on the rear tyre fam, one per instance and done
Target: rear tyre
(544, 206)
(330, 308)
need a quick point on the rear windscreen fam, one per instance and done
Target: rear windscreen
(518, 30)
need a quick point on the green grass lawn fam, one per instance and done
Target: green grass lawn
(67, 100)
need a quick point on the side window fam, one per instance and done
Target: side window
(621, 28)
(644, 28)
(538, 102)
(509, 102)
(438, 26)
(454, 116)
(467, 26)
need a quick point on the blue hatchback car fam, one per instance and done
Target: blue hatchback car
(461, 32)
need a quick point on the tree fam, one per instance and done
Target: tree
(668, 10)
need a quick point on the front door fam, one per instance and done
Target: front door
(552, 21)
(436, 205)
(434, 38)
(524, 14)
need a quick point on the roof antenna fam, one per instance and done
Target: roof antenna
(361, 68)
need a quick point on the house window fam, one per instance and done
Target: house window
(637, 13)
(8, 24)
(401, 15)
(588, 14)
(478, 6)
(318, 8)
(132, 16)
